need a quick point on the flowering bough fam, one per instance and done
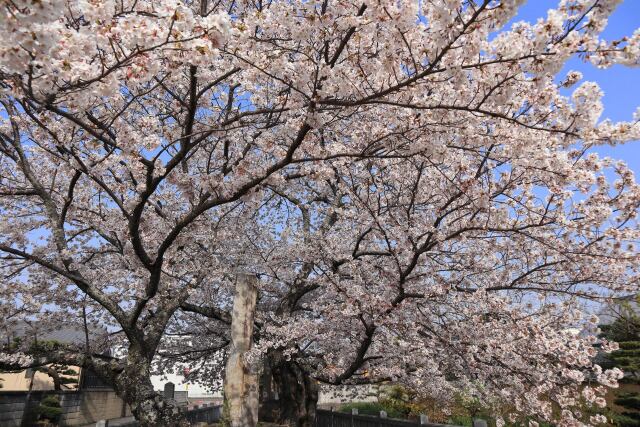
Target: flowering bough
(418, 198)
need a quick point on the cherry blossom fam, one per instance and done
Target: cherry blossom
(419, 199)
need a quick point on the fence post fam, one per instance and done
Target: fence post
(423, 419)
(354, 411)
(382, 415)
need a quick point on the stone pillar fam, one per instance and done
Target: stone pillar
(241, 379)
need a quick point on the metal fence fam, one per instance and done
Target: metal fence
(208, 414)
(340, 419)
(203, 414)
(211, 414)
(90, 380)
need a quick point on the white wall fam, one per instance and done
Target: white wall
(347, 394)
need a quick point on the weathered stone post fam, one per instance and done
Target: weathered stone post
(477, 422)
(241, 379)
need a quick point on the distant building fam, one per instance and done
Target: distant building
(184, 389)
(84, 397)
(32, 333)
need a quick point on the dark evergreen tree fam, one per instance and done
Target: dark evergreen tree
(625, 329)
(50, 409)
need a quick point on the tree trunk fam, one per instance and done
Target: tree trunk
(297, 392)
(53, 373)
(150, 408)
(241, 379)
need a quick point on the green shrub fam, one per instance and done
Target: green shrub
(44, 347)
(626, 331)
(461, 420)
(398, 400)
(50, 409)
(626, 419)
(628, 400)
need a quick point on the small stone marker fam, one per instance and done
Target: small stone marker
(354, 411)
(477, 422)
(423, 419)
(169, 390)
(383, 414)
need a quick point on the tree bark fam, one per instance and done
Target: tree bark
(297, 392)
(150, 408)
(53, 373)
(130, 379)
(241, 379)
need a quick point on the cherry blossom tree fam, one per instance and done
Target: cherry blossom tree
(419, 199)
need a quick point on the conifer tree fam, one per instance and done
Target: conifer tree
(626, 331)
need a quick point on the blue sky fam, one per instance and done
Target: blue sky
(621, 85)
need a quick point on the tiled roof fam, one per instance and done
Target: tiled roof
(63, 333)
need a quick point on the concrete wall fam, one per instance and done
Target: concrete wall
(15, 381)
(336, 395)
(81, 408)
(11, 408)
(98, 405)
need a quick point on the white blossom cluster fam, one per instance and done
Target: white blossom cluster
(420, 201)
